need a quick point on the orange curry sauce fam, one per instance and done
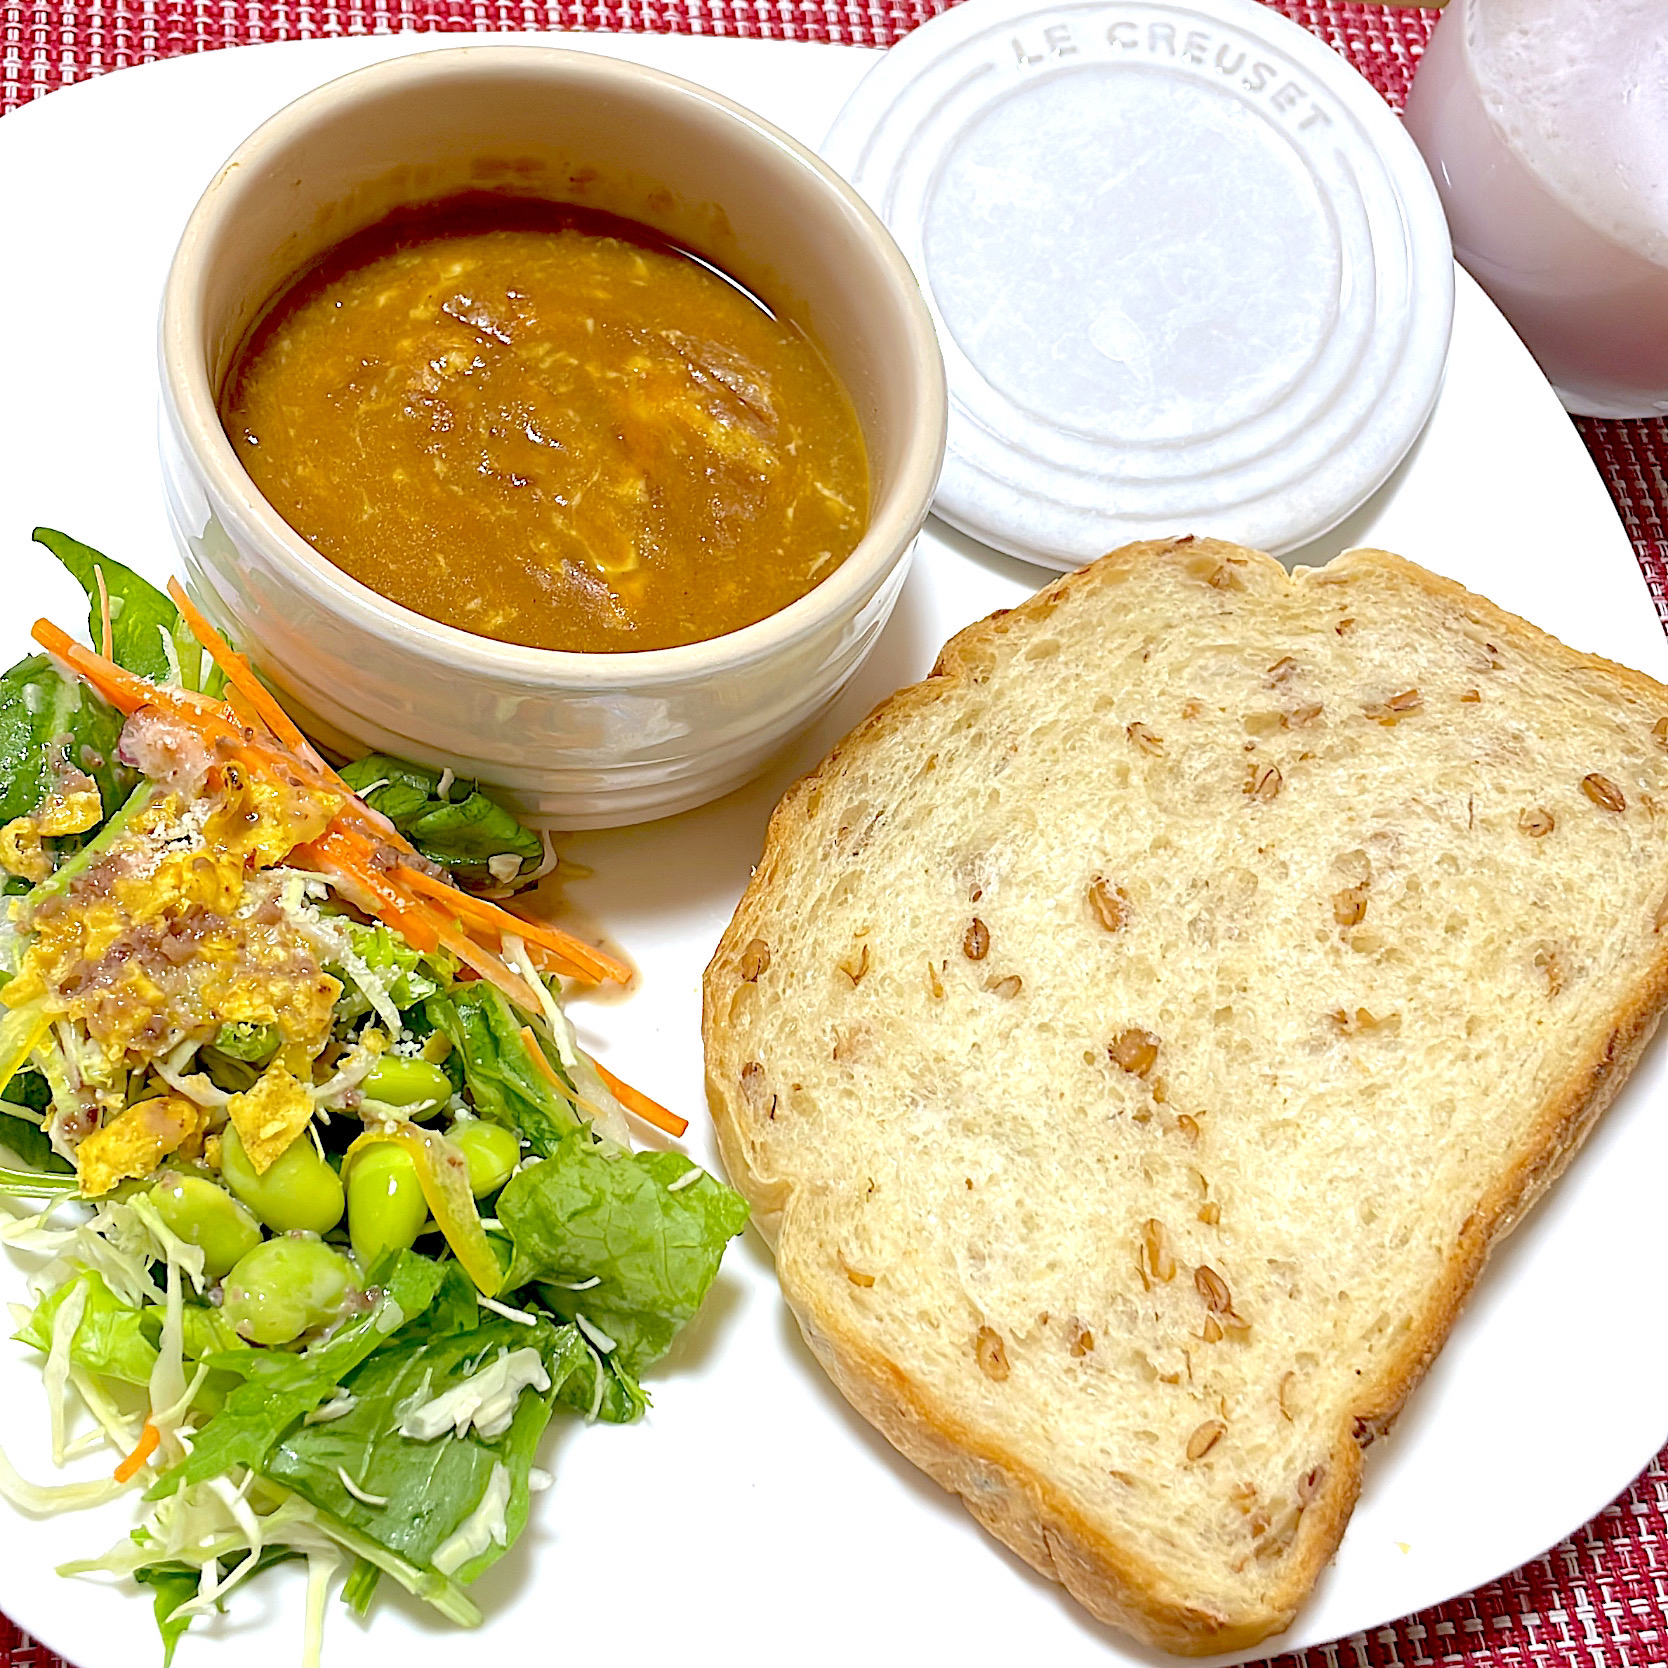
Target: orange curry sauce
(547, 425)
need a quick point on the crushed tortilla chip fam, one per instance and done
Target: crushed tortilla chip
(137, 1140)
(270, 1116)
(21, 852)
(70, 813)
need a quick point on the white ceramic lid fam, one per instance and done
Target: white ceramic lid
(1189, 273)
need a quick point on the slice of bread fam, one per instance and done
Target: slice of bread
(1136, 1036)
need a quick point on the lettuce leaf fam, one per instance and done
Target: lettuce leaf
(452, 1309)
(205, 1332)
(618, 1400)
(429, 1488)
(504, 1083)
(140, 615)
(109, 1338)
(359, 1587)
(26, 1099)
(459, 829)
(248, 1040)
(592, 1213)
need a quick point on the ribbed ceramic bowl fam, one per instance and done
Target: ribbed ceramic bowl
(578, 740)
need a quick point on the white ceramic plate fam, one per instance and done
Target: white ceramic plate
(753, 1517)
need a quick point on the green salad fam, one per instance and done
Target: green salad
(337, 1212)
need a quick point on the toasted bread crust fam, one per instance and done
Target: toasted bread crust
(1016, 1504)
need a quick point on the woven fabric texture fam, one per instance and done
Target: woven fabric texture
(1599, 1599)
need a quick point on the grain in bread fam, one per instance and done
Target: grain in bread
(1135, 1037)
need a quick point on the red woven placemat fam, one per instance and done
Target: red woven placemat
(1600, 1599)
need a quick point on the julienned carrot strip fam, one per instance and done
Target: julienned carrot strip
(354, 843)
(333, 853)
(546, 1070)
(549, 961)
(442, 902)
(240, 676)
(595, 963)
(357, 853)
(488, 966)
(149, 1439)
(128, 692)
(347, 854)
(477, 911)
(649, 1110)
(565, 945)
(634, 1100)
(215, 720)
(350, 823)
(122, 689)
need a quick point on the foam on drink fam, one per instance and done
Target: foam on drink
(1579, 89)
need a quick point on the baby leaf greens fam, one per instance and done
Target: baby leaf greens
(147, 635)
(49, 726)
(455, 825)
(281, 1389)
(504, 1081)
(422, 1493)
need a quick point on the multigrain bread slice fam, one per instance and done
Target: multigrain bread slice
(1136, 1036)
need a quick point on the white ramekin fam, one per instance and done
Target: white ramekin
(578, 740)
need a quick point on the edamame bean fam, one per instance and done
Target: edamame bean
(297, 1192)
(207, 1216)
(492, 1153)
(402, 1080)
(386, 1208)
(286, 1286)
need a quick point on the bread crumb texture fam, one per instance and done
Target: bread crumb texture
(1136, 1035)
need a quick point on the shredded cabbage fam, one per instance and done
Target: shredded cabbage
(321, 1568)
(171, 653)
(170, 1247)
(484, 1527)
(120, 1431)
(486, 1399)
(64, 1325)
(42, 1498)
(167, 1387)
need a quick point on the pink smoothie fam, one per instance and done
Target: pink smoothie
(1545, 124)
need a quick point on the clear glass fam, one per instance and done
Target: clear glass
(1545, 125)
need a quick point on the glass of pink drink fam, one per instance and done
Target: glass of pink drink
(1545, 124)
